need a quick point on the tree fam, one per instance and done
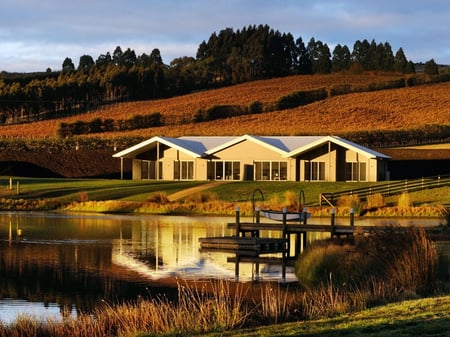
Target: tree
(86, 63)
(320, 56)
(302, 63)
(400, 62)
(155, 57)
(68, 65)
(117, 57)
(431, 68)
(341, 59)
(103, 60)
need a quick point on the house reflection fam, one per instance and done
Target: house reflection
(160, 248)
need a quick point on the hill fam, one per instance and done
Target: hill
(382, 110)
(407, 108)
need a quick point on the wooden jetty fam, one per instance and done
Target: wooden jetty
(250, 247)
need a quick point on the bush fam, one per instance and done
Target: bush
(326, 261)
(351, 201)
(404, 200)
(400, 258)
(299, 98)
(375, 200)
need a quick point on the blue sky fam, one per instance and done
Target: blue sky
(35, 35)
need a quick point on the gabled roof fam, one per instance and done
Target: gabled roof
(192, 148)
(366, 152)
(282, 145)
(287, 146)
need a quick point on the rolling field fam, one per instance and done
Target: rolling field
(392, 109)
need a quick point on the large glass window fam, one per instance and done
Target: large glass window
(314, 170)
(183, 170)
(355, 171)
(148, 169)
(270, 170)
(224, 170)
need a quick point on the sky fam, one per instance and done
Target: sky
(36, 35)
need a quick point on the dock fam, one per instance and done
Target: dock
(249, 247)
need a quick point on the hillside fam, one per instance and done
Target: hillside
(394, 109)
(383, 110)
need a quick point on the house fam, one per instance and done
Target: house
(247, 157)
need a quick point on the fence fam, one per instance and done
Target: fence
(391, 188)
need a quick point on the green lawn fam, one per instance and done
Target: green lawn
(424, 317)
(68, 190)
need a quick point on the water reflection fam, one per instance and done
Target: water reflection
(67, 263)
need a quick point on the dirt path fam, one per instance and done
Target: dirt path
(192, 190)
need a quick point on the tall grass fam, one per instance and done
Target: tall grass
(397, 258)
(215, 306)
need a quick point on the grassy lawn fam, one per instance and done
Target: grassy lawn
(69, 190)
(93, 189)
(424, 317)
(139, 190)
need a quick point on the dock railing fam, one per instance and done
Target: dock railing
(388, 189)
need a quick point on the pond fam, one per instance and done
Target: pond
(54, 264)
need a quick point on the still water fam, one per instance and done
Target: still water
(59, 264)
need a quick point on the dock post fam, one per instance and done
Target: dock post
(238, 223)
(305, 222)
(286, 246)
(333, 221)
(352, 217)
(236, 268)
(257, 220)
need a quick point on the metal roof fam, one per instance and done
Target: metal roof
(288, 146)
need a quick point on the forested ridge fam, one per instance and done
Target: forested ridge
(228, 57)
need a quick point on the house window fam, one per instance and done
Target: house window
(355, 171)
(224, 170)
(148, 169)
(315, 170)
(270, 170)
(183, 170)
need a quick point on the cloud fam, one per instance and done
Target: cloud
(36, 35)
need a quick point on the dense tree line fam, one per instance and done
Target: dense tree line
(228, 57)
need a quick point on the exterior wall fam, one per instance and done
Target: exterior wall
(333, 161)
(247, 152)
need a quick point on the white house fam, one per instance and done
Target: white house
(292, 158)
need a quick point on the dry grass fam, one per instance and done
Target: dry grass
(380, 110)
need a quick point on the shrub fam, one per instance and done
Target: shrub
(400, 258)
(375, 200)
(158, 198)
(404, 200)
(291, 200)
(299, 98)
(255, 107)
(351, 201)
(326, 261)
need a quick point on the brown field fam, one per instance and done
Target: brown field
(379, 110)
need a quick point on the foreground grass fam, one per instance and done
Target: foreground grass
(424, 317)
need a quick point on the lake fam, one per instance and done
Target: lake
(54, 264)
